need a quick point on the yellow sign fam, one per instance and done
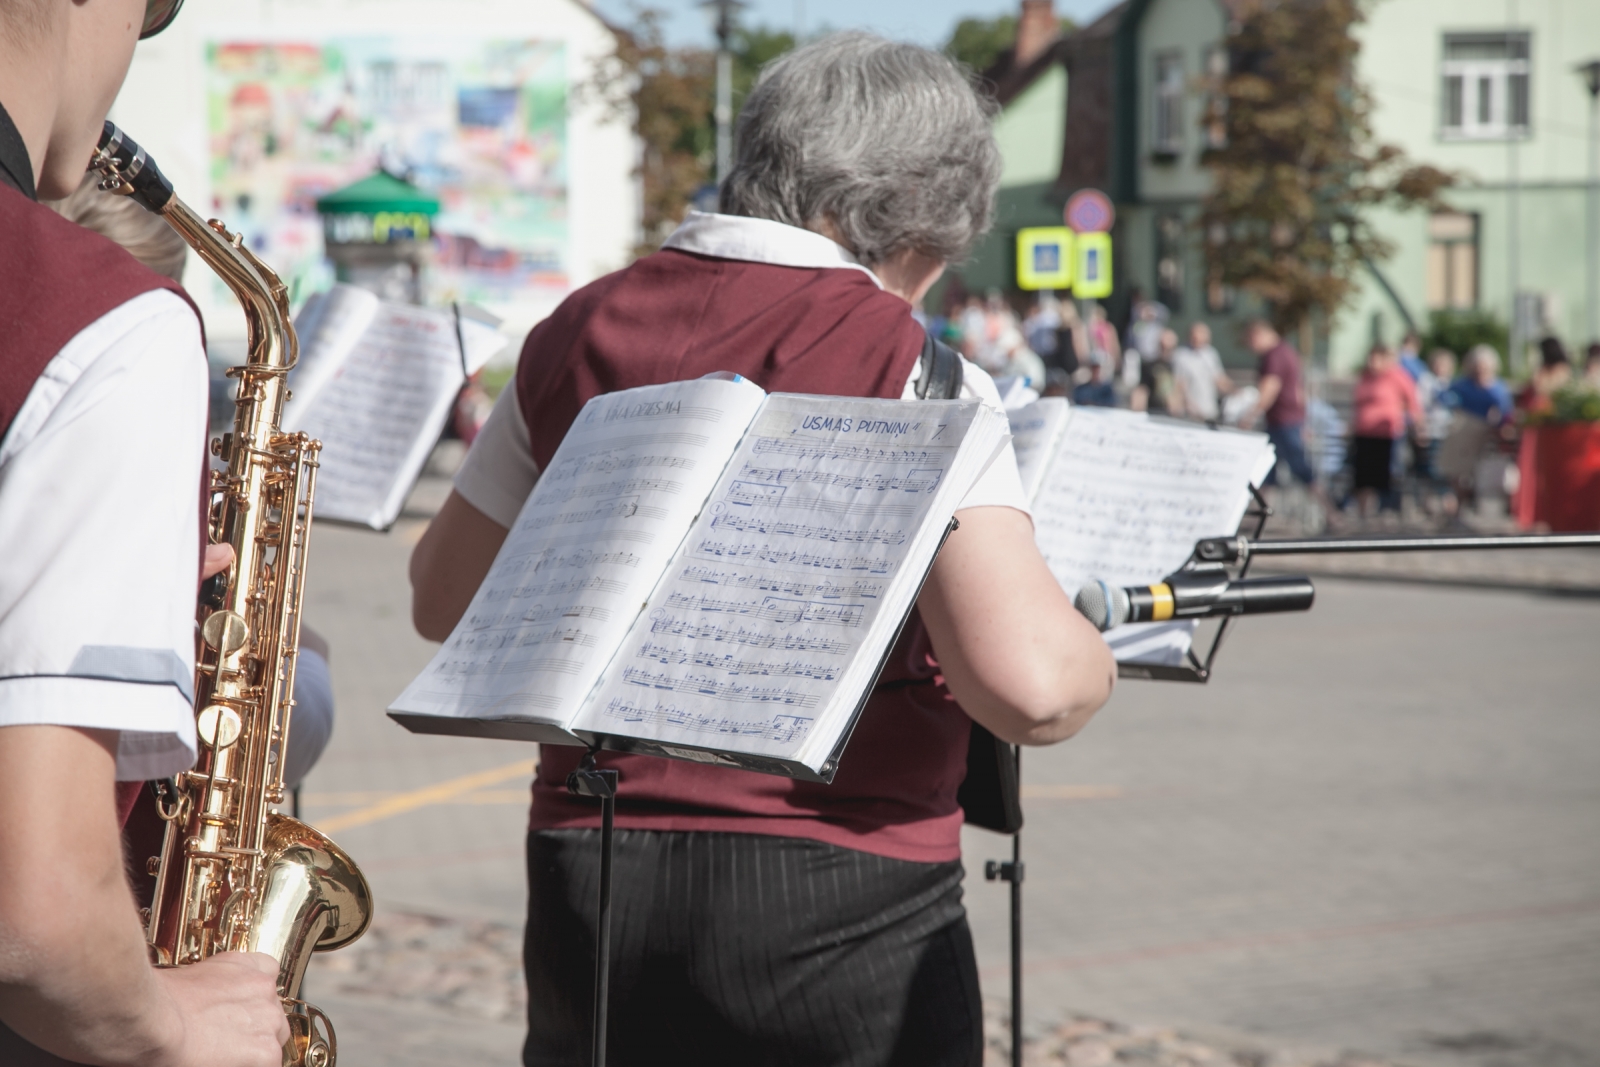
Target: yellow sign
(1093, 280)
(1044, 258)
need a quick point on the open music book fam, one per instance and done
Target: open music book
(1123, 497)
(375, 383)
(711, 573)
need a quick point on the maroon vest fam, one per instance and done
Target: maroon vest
(674, 316)
(56, 278)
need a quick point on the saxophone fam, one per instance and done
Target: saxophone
(233, 874)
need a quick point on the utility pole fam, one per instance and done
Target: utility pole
(723, 14)
(1590, 73)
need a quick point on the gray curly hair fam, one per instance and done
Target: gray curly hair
(888, 142)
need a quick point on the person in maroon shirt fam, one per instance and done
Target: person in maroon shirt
(758, 919)
(1283, 400)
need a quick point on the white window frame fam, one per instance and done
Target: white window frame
(1484, 86)
(1166, 99)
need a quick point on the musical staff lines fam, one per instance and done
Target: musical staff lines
(765, 552)
(779, 729)
(833, 534)
(770, 609)
(665, 623)
(732, 666)
(778, 583)
(709, 685)
(606, 461)
(806, 448)
(915, 481)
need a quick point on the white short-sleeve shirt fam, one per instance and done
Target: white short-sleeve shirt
(499, 471)
(99, 519)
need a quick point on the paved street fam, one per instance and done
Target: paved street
(1374, 831)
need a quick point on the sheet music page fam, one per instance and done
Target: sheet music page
(772, 619)
(1036, 430)
(591, 541)
(1125, 499)
(380, 412)
(329, 326)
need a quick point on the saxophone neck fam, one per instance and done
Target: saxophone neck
(127, 170)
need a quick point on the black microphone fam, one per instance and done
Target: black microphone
(1201, 594)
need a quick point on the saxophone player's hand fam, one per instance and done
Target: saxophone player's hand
(218, 559)
(230, 1010)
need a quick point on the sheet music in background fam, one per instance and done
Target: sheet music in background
(329, 326)
(380, 411)
(811, 550)
(1036, 430)
(1125, 499)
(588, 545)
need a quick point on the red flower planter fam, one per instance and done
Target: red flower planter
(1560, 485)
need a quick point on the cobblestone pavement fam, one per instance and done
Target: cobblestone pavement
(1373, 831)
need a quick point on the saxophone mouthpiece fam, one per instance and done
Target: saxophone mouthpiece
(130, 171)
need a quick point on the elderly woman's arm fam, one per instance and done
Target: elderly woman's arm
(1014, 652)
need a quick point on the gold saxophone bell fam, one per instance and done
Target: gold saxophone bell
(233, 874)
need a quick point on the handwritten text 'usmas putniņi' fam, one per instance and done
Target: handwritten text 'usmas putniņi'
(846, 424)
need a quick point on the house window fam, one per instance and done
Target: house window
(1485, 91)
(1216, 121)
(1166, 139)
(1452, 261)
(1169, 262)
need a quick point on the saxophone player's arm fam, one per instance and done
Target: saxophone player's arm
(449, 563)
(75, 977)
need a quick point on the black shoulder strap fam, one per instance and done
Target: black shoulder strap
(991, 792)
(941, 375)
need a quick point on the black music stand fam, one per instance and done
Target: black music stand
(587, 780)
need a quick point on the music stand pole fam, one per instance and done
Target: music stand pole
(995, 870)
(589, 781)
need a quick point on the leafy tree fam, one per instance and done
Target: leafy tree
(1460, 330)
(979, 42)
(1297, 178)
(668, 93)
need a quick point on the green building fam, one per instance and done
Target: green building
(1486, 89)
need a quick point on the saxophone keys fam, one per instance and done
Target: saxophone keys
(218, 725)
(225, 631)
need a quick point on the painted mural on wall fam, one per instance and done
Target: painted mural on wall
(479, 124)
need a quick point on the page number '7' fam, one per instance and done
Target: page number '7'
(935, 437)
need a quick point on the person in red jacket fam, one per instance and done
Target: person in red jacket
(102, 437)
(760, 919)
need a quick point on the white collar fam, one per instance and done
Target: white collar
(761, 241)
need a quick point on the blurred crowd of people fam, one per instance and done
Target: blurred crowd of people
(1432, 423)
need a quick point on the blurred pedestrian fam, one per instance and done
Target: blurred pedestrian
(1041, 327)
(1554, 371)
(1591, 365)
(1409, 357)
(1154, 391)
(1097, 391)
(1282, 400)
(1103, 340)
(1480, 403)
(1198, 377)
(1386, 403)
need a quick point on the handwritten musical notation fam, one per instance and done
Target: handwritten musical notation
(783, 730)
(377, 404)
(792, 555)
(1125, 497)
(591, 540)
(805, 531)
(778, 583)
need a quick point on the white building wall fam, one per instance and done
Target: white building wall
(163, 106)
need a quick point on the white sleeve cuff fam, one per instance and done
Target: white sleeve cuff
(154, 724)
(499, 471)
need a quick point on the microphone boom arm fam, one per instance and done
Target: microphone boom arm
(1218, 553)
